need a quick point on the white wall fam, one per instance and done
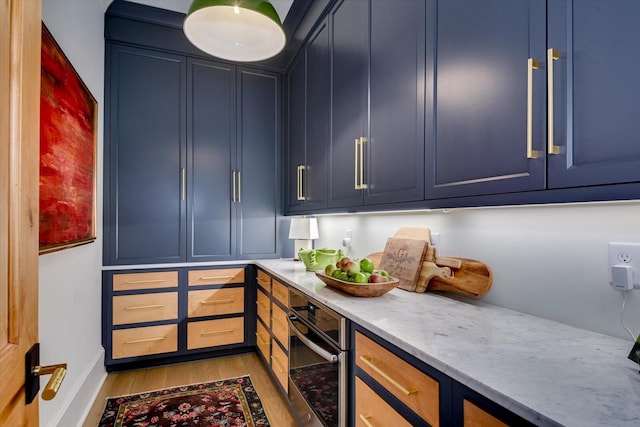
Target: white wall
(550, 261)
(70, 282)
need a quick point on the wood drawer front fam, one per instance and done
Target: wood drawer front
(145, 308)
(264, 280)
(372, 410)
(144, 341)
(213, 333)
(280, 292)
(153, 280)
(280, 365)
(219, 276)
(279, 325)
(477, 417)
(213, 302)
(264, 306)
(263, 341)
(400, 378)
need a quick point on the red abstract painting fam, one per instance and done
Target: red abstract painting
(68, 126)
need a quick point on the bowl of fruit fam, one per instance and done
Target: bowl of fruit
(357, 278)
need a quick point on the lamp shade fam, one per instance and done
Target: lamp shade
(236, 30)
(303, 229)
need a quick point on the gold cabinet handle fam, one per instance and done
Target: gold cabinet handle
(233, 183)
(359, 164)
(362, 141)
(239, 188)
(532, 64)
(278, 365)
(365, 420)
(221, 331)
(143, 307)
(356, 183)
(265, 306)
(57, 372)
(367, 360)
(215, 277)
(144, 340)
(183, 184)
(218, 301)
(260, 340)
(138, 282)
(552, 55)
(300, 195)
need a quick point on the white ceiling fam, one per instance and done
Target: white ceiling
(281, 6)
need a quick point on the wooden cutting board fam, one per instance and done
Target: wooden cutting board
(402, 259)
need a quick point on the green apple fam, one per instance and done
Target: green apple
(330, 268)
(360, 278)
(366, 265)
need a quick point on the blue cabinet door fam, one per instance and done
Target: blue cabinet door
(211, 135)
(394, 164)
(318, 119)
(144, 199)
(259, 163)
(349, 90)
(476, 128)
(296, 119)
(596, 90)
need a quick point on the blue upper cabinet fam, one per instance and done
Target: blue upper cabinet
(296, 108)
(596, 88)
(486, 125)
(145, 157)
(377, 109)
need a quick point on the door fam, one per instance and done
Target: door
(476, 129)
(20, 29)
(596, 92)
(211, 164)
(258, 201)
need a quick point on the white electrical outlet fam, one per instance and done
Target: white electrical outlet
(625, 254)
(346, 241)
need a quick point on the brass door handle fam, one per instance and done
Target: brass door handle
(34, 371)
(552, 55)
(531, 65)
(57, 372)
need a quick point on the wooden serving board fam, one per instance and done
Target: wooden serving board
(402, 259)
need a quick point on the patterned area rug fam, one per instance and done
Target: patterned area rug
(319, 386)
(231, 402)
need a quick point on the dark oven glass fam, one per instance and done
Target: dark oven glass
(316, 378)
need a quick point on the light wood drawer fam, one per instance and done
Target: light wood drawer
(213, 333)
(144, 341)
(279, 325)
(263, 341)
(413, 387)
(477, 417)
(212, 302)
(219, 276)
(280, 292)
(264, 303)
(264, 281)
(280, 365)
(152, 280)
(372, 410)
(145, 308)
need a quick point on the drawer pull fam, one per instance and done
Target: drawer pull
(367, 360)
(265, 306)
(215, 277)
(144, 340)
(142, 307)
(552, 55)
(137, 282)
(261, 341)
(365, 420)
(218, 301)
(275, 362)
(221, 331)
(532, 64)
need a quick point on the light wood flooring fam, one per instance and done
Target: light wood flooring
(137, 381)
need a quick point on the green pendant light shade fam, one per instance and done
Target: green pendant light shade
(237, 30)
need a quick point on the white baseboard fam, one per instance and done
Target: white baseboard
(75, 408)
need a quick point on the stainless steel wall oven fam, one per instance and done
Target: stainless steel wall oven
(318, 361)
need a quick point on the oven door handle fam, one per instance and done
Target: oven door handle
(333, 358)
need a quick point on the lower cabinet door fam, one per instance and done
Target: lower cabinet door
(145, 308)
(280, 364)
(263, 341)
(279, 325)
(372, 410)
(215, 302)
(213, 333)
(144, 341)
(474, 416)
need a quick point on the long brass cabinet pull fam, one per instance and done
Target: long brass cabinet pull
(365, 420)
(221, 331)
(261, 340)
(233, 190)
(359, 163)
(300, 188)
(143, 307)
(144, 340)
(552, 55)
(239, 188)
(183, 184)
(531, 65)
(215, 277)
(218, 301)
(367, 360)
(138, 282)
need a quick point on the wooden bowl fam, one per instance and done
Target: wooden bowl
(358, 289)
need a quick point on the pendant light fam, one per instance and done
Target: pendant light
(236, 30)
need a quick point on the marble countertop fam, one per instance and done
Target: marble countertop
(545, 371)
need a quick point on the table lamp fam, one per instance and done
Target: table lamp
(303, 231)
